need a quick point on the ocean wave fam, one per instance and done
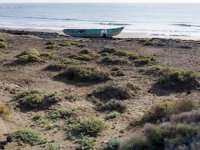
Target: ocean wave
(43, 18)
(185, 25)
(179, 35)
(115, 24)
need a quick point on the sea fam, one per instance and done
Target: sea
(172, 20)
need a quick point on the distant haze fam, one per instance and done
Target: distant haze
(103, 1)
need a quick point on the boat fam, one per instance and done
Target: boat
(97, 33)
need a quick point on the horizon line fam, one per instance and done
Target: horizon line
(153, 2)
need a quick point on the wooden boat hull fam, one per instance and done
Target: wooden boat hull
(93, 32)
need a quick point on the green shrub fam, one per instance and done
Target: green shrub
(85, 73)
(118, 90)
(156, 113)
(65, 43)
(31, 51)
(139, 59)
(144, 61)
(3, 45)
(164, 136)
(36, 99)
(37, 116)
(112, 115)
(171, 78)
(153, 70)
(112, 144)
(51, 45)
(46, 54)
(25, 59)
(90, 127)
(186, 117)
(29, 56)
(85, 51)
(87, 143)
(60, 114)
(136, 143)
(181, 80)
(112, 105)
(28, 136)
(171, 135)
(131, 55)
(114, 60)
(163, 110)
(85, 57)
(63, 64)
(108, 50)
(53, 147)
(4, 111)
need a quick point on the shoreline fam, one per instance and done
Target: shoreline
(123, 35)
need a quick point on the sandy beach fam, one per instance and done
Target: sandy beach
(18, 75)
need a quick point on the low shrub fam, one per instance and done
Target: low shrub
(144, 61)
(4, 111)
(37, 116)
(32, 56)
(36, 99)
(131, 55)
(60, 114)
(112, 144)
(139, 59)
(117, 90)
(28, 136)
(65, 43)
(90, 127)
(86, 143)
(186, 117)
(169, 135)
(3, 45)
(86, 51)
(164, 136)
(153, 70)
(163, 110)
(183, 105)
(156, 113)
(46, 54)
(180, 80)
(171, 78)
(111, 115)
(112, 105)
(51, 45)
(85, 73)
(135, 142)
(108, 50)
(25, 59)
(63, 64)
(85, 57)
(114, 61)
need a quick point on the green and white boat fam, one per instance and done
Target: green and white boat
(100, 33)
